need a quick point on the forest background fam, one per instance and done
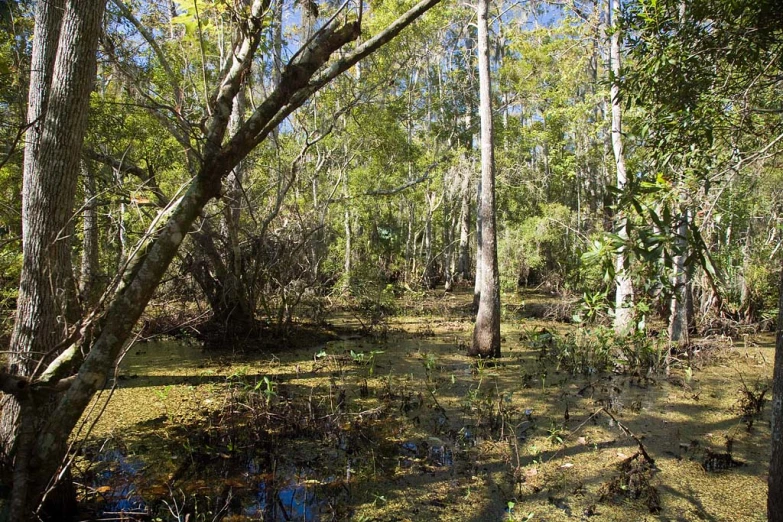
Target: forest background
(637, 148)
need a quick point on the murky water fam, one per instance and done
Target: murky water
(409, 428)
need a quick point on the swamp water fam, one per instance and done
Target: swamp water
(406, 427)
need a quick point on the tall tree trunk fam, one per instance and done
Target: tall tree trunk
(277, 51)
(409, 243)
(38, 307)
(486, 333)
(347, 265)
(219, 271)
(235, 292)
(36, 324)
(746, 305)
(478, 282)
(452, 184)
(623, 308)
(64, 58)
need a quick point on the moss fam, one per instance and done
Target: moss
(425, 433)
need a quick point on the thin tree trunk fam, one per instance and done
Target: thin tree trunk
(428, 276)
(746, 305)
(623, 308)
(409, 245)
(486, 333)
(348, 246)
(234, 290)
(463, 265)
(478, 282)
(90, 269)
(449, 222)
(678, 310)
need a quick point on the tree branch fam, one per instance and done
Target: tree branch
(258, 127)
(128, 14)
(153, 259)
(241, 58)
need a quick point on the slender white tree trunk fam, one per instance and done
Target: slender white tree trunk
(479, 242)
(486, 333)
(347, 265)
(623, 308)
(463, 264)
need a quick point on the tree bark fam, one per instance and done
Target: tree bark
(623, 308)
(775, 481)
(678, 309)
(463, 264)
(64, 67)
(486, 333)
(478, 282)
(90, 269)
(36, 324)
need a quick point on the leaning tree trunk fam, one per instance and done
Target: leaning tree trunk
(42, 449)
(486, 333)
(623, 309)
(59, 102)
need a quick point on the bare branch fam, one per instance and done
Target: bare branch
(258, 126)
(128, 14)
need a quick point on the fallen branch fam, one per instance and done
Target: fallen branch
(631, 434)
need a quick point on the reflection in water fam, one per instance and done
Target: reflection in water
(294, 501)
(115, 482)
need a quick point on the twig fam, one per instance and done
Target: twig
(437, 404)
(628, 432)
(565, 437)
